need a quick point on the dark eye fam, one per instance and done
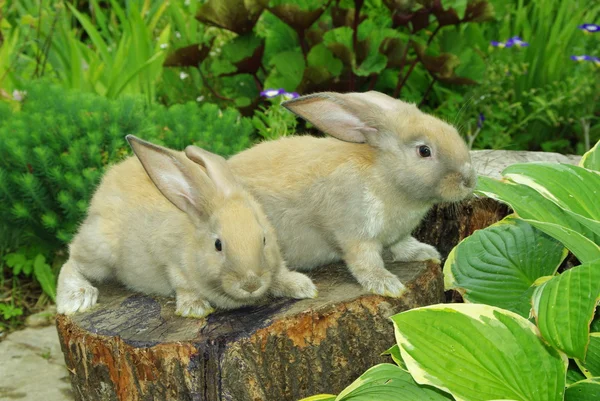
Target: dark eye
(264, 240)
(218, 246)
(424, 151)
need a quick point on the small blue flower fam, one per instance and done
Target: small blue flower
(581, 58)
(269, 93)
(514, 41)
(589, 28)
(480, 120)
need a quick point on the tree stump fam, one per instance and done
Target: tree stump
(133, 347)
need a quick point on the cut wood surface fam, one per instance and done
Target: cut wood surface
(133, 347)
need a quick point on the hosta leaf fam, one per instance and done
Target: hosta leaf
(586, 390)
(498, 265)
(591, 366)
(564, 307)
(320, 397)
(574, 374)
(479, 353)
(394, 353)
(570, 187)
(591, 159)
(546, 215)
(387, 382)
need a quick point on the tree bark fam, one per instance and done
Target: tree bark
(133, 347)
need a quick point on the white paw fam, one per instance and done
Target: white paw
(295, 285)
(197, 308)
(415, 252)
(76, 300)
(386, 284)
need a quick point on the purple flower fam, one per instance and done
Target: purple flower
(480, 120)
(514, 41)
(269, 93)
(589, 28)
(581, 58)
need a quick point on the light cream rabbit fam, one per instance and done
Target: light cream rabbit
(348, 198)
(164, 224)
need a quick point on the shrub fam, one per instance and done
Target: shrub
(522, 322)
(55, 149)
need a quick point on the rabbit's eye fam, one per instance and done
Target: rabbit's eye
(264, 240)
(424, 151)
(218, 246)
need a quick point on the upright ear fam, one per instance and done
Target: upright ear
(180, 181)
(350, 117)
(216, 167)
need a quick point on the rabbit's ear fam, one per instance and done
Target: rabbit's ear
(182, 182)
(216, 167)
(349, 117)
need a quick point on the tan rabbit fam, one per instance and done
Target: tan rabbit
(348, 198)
(164, 224)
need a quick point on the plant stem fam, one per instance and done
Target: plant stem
(211, 89)
(357, 6)
(433, 81)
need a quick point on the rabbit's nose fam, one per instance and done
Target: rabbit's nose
(251, 284)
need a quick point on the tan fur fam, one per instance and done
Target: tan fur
(348, 198)
(156, 238)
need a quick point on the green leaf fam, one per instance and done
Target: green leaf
(460, 6)
(570, 187)
(394, 353)
(287, 71)
(471, 65)
(564, 307)
(591, 366)
(498, 265)
(585, 390)
(574, 231)
(591, 159)
(320, 397)
(46, 277)
(387, 382)
(320, 55)
(574, 374)
(479, 352)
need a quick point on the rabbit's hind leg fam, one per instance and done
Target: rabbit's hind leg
(90, 259)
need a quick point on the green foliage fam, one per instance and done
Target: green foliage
(478, 351)
(274, 122)
(54, 151)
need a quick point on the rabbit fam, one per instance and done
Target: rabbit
(367, 188)
(169, 222)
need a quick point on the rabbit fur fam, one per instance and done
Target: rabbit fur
(153, 225)
(349, 197)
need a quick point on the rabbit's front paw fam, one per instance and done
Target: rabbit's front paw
(77, 299)
(194, 308)
(294, 285)
(386, 284)
(411, 250)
